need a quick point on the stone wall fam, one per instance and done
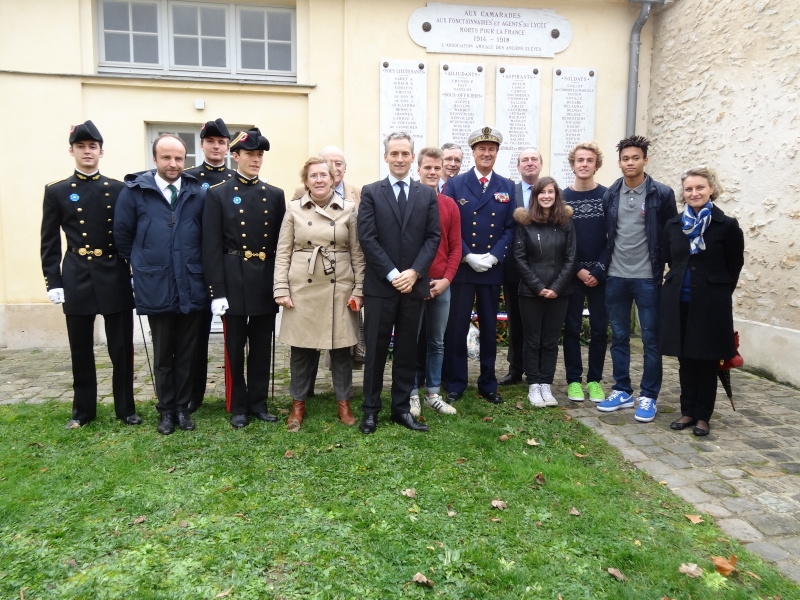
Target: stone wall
(724, 90)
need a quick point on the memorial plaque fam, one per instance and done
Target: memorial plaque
(462, 88)
(463, 29)
(518, 91)
(404, 98)
(574, 100)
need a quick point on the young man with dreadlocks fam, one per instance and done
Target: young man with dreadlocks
(636, 207)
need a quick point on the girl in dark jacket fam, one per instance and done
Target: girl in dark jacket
(705, 253)
(544, 251)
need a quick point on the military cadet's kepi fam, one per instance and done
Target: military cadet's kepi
(215, 128)
(85, 132)
(249, 140)
(486, 134)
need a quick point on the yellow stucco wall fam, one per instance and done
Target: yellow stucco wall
(49, 80)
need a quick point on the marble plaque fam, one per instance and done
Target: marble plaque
(462, 87)
(574, 100)
(492, 30)
(518, 90)
(404, 97)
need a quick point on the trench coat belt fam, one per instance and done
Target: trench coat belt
(328, 258)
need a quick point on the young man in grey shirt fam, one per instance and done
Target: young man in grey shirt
(636, 208)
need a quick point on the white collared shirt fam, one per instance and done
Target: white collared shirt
(339, 189)
(479, 175)
(88, 174)
(396, 188)
(162, 185)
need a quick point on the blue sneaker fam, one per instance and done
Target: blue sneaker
(647, 410)
(615, 401)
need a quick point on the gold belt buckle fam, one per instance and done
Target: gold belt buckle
(248, 254)
(98, 252)
(83, 251)
(262, 256)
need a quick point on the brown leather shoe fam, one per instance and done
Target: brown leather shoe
(345, 414)
(296, 418)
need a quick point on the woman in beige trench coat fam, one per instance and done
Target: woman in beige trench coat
(319, 273)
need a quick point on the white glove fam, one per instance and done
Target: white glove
(56, 295)
(219, 306)
(488, 260)
(474, 261)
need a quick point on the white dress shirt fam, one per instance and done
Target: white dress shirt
(396, 189)
(162, 185)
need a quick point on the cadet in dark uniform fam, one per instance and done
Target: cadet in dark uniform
(93, 279)
(486, 201)
(214, 141)
(241, 223)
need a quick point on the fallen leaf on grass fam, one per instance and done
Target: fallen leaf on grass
(461, 461)
(753, 575)
(499, 504)
(414, 508)
(39, 444)
(663, 482)
(504, 438)
(283, 411)
(184, 524)
(637, 543)
(171, 470)
(665, 598)
(486, 419)
(43, 469)
(520, 406)
(724, 566)
(409, 493)
(617, 574)
(495, 520)
(695, 519)
(289, 454)
(451, 513)
(532, 442)
(568, 417)
(116, 531)
(22, 593)
(225, 593)
(574, 512)
(692, 570)
(139, 520)
(72, 563)
(329, 448)
(242, 516)
(337, 446)
(422, 580)
(539, 478)
(579, 455)
(538, 523)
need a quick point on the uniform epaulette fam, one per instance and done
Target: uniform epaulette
(219, 184)
(112, 179)
(56, 181)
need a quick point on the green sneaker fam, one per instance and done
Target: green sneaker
(575, 392)
(595, 392)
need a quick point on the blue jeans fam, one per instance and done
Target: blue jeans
(621, 293)
(436, 312)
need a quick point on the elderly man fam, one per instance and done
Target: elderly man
(529, 165)
(486, 202)
(453, 156)
(341, 187)
(156, 230)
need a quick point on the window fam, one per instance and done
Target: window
(192, 38)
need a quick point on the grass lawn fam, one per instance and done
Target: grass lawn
(319, 514)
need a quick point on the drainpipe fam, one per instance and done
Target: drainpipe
(633, 63)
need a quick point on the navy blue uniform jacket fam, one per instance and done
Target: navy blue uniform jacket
(487, 222)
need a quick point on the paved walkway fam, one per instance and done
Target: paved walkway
(745, 474)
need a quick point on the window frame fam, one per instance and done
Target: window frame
(166, 44)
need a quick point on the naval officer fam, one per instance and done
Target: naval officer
(214, 142)
(486, 202)
(93, 279)
(241, 223)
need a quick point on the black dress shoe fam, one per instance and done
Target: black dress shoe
(678, 426)
(166, 424)
(133, 419)
(492, 397)
(454, 397)
(368, 424)
(185, 420)
(700, 432)
(407, 420)
(264, 416)
(194, 405)
(239, 421)
(510, 379)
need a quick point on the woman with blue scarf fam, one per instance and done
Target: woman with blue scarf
(705, 253)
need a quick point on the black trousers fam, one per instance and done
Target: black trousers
(174, 358)
(515, 331)
(598, 323)
(201, 359)
(304, 365)
(380, 315)
(542, 319)
(698, 379)
(250, 396)
(119, 336)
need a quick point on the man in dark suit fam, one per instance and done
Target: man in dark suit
(241, 223)
(214, 141)
(529, 165)
(487, 202)
(398, 227)
(94, 280)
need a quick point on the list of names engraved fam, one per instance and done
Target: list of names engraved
(403, 94)
(462, 88)
(574, 101)
(518, 91)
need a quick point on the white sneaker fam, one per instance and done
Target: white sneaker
(435, 402)
(547, 395)
(416, 409)
(535, 395)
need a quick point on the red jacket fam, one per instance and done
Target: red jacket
(448, 256)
